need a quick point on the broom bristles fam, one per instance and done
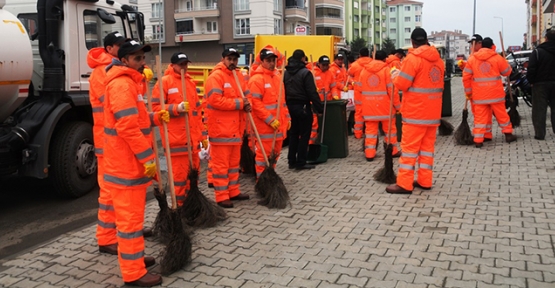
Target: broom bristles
(197, 210)
(514, 115)
(178, 252)
(270, 186)
(247, 157)
(386, 174)
(445, 128)
(463, 135)
(162, 223)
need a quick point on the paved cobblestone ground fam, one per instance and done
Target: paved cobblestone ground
(487, 222)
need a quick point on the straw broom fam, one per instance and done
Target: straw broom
(178, 252)
(513, 113)
(247, 155)
(386, 174)
(197, 210)
(463, 135)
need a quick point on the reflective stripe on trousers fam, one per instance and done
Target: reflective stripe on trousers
(482, 114)
(371, 137)
(225, 170)
(106, 226)
(417, 145)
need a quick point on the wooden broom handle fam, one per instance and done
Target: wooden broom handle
(187, 127)
(508, 77)
(153, 135)
(279, 102)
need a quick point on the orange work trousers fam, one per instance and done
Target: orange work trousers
(259, 161)
(225, 170)
(129, 206)
(488, 134)
(418, 146)
(314, 132)
(371, 137)
(106, 225)
(482, 114)
(180, 169)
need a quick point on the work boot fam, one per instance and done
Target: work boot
(147, 232)
(149, 261)
(509, 137)
(369, 159)
(225, 204)
(478, 145)
(148, 280)
(305, 167)
(240, 197)
(396, 189)
(487, 139)
(111, 249)
(416, 184)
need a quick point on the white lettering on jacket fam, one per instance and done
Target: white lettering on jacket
(173, 90)
(140, 97)
(227, 85)
(267, 85)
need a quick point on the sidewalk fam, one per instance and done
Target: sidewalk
(489, 221)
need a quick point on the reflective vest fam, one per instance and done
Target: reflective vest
(325, 83)
(482, 76)
(340, 74)
(376, 92)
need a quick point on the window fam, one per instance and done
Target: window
(294, 4)
(211, 27)
(392, 20)
(355, 18)
(407, 19)
(277, 27)
(392, 9)
(184, 27)
(416, 8)
(211, 4)
(157, 10)
(417, 18)
(377, 35)
(242, 26)
(407, 41)
(392, 31)
(157, 32)
(357, 34)
(325, 12)
(355, 5)
(277, 5)
(241, 5)
(29, 21)
(407, 8)
(95, 29)
(407, 30)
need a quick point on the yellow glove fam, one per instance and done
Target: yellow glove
(183, 107)
(345, 89)
(289, 125)
(163, 115)
(461, 63)
(335, 97)
(468, 96)
(150, 169)
(147, 72)
(275, 124)
(204, 143)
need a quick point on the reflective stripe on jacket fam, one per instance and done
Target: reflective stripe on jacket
(325, 83)
(340, 74)
(376, 92)
(482, 76)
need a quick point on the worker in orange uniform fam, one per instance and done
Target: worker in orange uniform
(327, 89)
(421, 80)
(339, 72)
(177, 133)
(376, 96)
(226, 125)
(264, 87)
(129, 158)
(258, 61)
(483, 85)
(354, 73)
(394, 60)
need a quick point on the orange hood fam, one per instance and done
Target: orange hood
(484, 54)
(426, 52)
(375, 66)
(98, 57)
(117, 69)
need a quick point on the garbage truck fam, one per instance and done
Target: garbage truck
(45, 113)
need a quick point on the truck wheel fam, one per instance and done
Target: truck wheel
(72, 160)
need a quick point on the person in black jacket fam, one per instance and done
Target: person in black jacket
(541, 74)
(301, 96)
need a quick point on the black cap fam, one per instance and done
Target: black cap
(399, 51)
(131, 47)
(339, 55)
(179, 57)
(419, 35)
(298, 54)
(266, 53)
(381, 55)
(476, 37)
(364, 51)
(230, 51)
(487, 42)
(324, 59)
(113, 38)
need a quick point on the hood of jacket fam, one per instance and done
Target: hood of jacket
(117, 69)
(98, 57)
(548, 46)
(391, 58)
(261, 70)
(221, 66)
(426, 52)
(294, 65)
(484, 54)
(375, 66)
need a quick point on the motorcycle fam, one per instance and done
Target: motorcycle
(519, 85)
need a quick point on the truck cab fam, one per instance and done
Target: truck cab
(48, 131)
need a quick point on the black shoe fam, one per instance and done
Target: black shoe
(111, 249)
(149, 261)
(509, 137)
(416, 184)
(479, 145)
(210, 185)
(369, 159)
(240, 197)
(291, 166)
(148, 280)
(539, 138)
(225, 204)
(305, 167)
(147, 232)
(487, 139)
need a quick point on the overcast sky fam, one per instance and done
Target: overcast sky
(449, 15)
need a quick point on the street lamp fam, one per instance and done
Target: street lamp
(502, 32)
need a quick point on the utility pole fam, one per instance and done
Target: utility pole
(474, 20)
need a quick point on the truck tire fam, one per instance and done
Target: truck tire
(72, 160)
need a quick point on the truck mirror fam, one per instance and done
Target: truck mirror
(105, 16)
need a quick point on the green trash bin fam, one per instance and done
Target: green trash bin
(446, 107)
(335, 129)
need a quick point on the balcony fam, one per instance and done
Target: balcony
(534, 19)
(329, 21)
(339, 3)
(329, 31)
(197, 37)
(296, 13)
(197, 12)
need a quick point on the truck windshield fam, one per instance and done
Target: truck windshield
(96, 29)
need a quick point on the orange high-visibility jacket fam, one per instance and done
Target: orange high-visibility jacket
(226, 121)
(421, 80)
(325, 83)
(376, 92)
(482, 76)
(340, 74)
(98, 59)
(393, 61)
(356, 68)
(127, 128)
(173, 96)
(257, 61)
(264, 87)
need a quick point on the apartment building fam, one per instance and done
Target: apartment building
(402, 17)
(455, 42)
(540, 16)
(366, 19)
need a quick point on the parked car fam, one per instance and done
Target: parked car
(520, 56)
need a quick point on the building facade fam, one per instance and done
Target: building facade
(365, 19)
(402, 17)
(455, 42)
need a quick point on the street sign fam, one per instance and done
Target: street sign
(300, 30)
